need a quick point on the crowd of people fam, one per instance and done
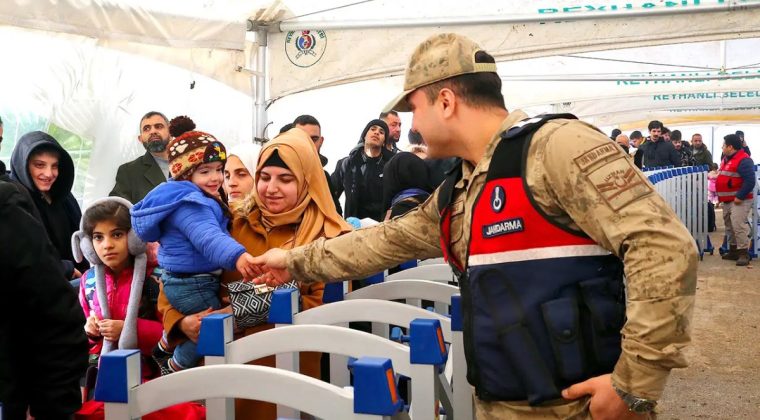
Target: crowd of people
(190, 223)
(730, 184)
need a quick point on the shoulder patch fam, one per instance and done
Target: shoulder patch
(619, 183)
(597, 154)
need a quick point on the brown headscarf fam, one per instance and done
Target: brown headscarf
(314, 214)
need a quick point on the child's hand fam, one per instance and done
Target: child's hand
(110, 329)
(246, 267)
(91, 326)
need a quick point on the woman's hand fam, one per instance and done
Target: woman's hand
(110, 329)
(272, 267)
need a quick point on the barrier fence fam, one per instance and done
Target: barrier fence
(685, 190)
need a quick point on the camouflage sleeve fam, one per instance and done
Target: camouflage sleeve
(595, 187)
(368, 251)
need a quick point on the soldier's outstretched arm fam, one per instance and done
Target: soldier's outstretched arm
(370, 250)
(594, 186)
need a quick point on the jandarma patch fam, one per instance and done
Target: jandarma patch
(595, 155)
(619, 183)
(504, 227)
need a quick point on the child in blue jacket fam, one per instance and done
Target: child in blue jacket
(188, 218)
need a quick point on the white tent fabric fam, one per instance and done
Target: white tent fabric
(93, 67)
(529, 29)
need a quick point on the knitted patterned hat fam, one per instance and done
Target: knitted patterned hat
(189, 148)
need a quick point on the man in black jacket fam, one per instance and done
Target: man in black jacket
(43, 348)
(659, 152)
(360, 174)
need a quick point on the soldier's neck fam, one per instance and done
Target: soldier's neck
(484, 125)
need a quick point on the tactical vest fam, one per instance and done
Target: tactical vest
(543, 305)
(729, 181)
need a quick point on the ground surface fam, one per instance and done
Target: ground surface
(723, 379)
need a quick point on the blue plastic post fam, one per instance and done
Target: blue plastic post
(216, 332)
(374, 279)
(456, 313)
(119, 372)
(407, 265)
(284, 306)
(333, 292)
(426, 345)
(375, 389)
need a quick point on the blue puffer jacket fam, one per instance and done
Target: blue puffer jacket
(190, 227)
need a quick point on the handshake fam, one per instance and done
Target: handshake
(269, 268)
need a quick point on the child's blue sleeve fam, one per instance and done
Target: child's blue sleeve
(198, 223)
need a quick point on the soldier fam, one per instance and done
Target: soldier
(535, 224)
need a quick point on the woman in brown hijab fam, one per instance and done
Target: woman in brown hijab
(291, 205)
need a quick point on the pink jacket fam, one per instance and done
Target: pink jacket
(148, 330)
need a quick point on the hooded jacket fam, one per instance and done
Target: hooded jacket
(361, 177)
(43, 348)
(190, 227)
(60, 216)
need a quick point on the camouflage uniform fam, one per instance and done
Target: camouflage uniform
(578, 178)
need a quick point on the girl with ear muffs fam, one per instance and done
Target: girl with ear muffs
(113, 293)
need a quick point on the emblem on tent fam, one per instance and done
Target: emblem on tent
(305, 48)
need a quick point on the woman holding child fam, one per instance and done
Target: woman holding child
(290, 205)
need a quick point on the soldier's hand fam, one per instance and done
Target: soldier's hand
(272, 268)
(605, 402)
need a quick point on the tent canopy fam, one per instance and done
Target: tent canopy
(93, 67)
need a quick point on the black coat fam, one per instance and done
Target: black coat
(135, 179)
(404, 172)
(43, 348)
(62, 214)
(661, 153)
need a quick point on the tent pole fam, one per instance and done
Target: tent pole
(261, 75)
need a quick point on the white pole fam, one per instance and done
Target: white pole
(261, 75)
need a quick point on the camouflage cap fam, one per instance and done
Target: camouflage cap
(437, 58)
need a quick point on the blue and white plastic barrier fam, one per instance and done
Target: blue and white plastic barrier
(418, 361)
(685, 190)
(284, 311)
(374, 395)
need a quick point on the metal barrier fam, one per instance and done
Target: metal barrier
(418, 361)
(685, 190)
(374, 395)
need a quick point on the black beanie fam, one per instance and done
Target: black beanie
(275, 160)
(377, 122)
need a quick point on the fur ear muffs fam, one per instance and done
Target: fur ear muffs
(81, 246)
(135, 245)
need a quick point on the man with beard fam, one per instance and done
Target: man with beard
(394, 125)
(659, 152)
(136, 178)
(683, 148)
(702, 156)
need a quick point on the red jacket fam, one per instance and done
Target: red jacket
(729, 181)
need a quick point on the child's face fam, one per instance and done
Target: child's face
(110, 244)
(209, 177)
